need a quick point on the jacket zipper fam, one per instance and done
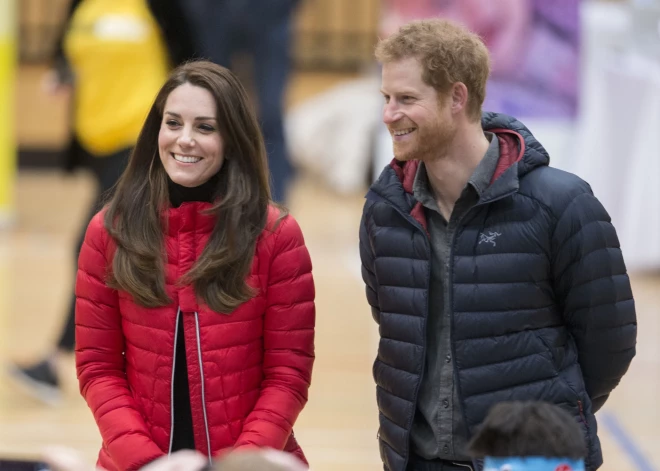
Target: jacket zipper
(452, 346)
(450, 277)
(466, 466)
(201, 372)
(176, 335)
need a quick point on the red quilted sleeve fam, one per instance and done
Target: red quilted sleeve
(288, 342)
(100, 358)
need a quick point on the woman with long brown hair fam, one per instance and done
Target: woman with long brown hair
(195, 310)
(104, 45)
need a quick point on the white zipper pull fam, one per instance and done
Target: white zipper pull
(176, 337)
(201, 372)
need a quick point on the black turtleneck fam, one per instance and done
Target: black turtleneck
(182, 194)
(182, 434)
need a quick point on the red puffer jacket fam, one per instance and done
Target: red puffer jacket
(248, 372)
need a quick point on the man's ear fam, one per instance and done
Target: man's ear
(459, 97)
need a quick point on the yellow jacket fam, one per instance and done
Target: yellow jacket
(120, 62)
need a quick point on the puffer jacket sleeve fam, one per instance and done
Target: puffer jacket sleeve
(368, 268)
(100, 358)
(288, 342)
(594, 289)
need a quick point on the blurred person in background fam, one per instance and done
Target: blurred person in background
(265, 459)
(261, 29)
(58, 458)
(491, 275)
(195, 299)
(116, 54)
(529, 436)
(260, 460)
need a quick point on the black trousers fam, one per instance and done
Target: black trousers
(417, 463)
(107, 170)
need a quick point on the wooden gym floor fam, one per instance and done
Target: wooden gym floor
(338, 427)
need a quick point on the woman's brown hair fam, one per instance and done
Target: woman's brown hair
(134, 217)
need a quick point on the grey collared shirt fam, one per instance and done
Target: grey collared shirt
(438, 430)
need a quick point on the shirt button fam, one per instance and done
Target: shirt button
(445, 403)
(445, 449)
(448, 358)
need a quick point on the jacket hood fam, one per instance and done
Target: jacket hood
(520, 153)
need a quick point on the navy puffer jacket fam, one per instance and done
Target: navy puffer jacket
(542, 304)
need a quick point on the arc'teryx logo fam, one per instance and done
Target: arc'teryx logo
(490, 238)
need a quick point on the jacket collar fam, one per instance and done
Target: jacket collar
(520, 153)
